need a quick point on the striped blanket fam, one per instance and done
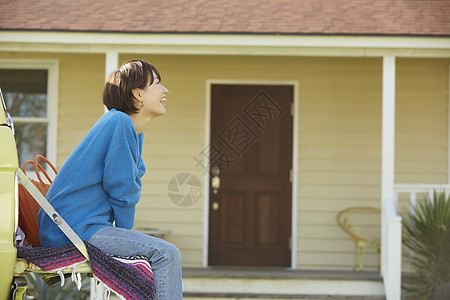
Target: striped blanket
(128, 277)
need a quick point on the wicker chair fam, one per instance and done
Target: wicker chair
(357, 223)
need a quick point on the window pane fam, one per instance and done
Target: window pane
(31, 140)
(26, 105)
(25, 92)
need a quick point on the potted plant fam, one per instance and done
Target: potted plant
(426, 234)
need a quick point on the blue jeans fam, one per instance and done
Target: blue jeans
(164, 257)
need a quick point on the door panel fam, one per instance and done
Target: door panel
(251, 158)
(267, 219)
(232, 218)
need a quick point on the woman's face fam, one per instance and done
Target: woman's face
(154, 98)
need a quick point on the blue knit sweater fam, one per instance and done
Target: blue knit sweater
(99, 183)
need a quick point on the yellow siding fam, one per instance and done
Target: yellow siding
(339, 144)
(422, 112)
(422, 124)
(81, 82)
(340, 134)
(339, 156)
(339, 137)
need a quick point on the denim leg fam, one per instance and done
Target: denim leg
(164, 257)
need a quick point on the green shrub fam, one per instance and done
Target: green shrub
(426, 234)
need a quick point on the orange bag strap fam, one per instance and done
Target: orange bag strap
(24, 168)
(38, 168)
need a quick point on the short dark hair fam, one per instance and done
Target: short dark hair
(118, 91)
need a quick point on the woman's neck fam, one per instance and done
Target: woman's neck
(140, 122)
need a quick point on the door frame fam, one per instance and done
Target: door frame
(206, 181)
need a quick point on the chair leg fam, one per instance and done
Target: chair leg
(361, 252)
(18, 288)
(379, 258)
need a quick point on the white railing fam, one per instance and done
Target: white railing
(414, 189)
(391, 233)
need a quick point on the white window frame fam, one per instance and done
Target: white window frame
(52, 67)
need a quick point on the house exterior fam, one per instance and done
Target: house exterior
(279, 115)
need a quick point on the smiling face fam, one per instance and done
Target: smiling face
(152, 99)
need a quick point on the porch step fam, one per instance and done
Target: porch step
(280, 284)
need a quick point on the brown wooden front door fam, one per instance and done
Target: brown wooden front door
(251, 158)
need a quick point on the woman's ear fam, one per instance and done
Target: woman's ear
(136, 94)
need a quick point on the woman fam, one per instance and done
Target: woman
(99, 185)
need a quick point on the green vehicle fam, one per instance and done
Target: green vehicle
(8, 199)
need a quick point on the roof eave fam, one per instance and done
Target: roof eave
(222, 43)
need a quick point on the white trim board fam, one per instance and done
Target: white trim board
(224, 40)
(224, 44)
(295, 142)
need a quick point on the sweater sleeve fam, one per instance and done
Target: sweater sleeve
(122, 183)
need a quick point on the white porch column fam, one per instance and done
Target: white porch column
(391, 223)
(111, 63)
(388, 128)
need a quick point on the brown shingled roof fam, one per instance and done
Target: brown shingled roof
(362, 17)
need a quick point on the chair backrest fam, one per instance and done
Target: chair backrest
(362, 223)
